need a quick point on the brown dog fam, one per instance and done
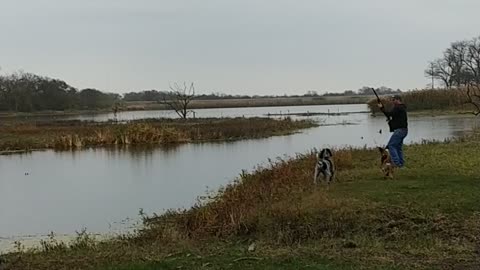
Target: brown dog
(386, 163)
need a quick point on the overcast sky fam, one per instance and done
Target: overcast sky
(237, 47)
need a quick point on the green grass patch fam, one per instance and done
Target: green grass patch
(239, 263)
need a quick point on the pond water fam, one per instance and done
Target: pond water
(103, 189)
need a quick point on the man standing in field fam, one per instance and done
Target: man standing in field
(399, 126)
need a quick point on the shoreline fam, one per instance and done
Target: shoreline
(281, 197)
(52, 115)
(26, 137)
(204, 104)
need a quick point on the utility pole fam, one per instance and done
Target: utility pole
(433, 77)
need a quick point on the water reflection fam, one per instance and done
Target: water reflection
(98, 188)
(200, 113)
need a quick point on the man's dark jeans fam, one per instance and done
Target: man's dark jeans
(395, 146)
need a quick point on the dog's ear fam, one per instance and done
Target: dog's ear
(329, 152)
(380, 149)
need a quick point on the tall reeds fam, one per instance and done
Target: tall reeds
(77, 134)
(438, 99)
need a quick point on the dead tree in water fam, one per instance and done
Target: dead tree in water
(179, 98)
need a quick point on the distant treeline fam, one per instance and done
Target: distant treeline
(366, 91)
(27, 92)
(154, 95)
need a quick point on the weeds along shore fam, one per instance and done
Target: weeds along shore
(429, 100)
(62, 135)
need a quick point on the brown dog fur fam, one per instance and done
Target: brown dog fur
(386, 163)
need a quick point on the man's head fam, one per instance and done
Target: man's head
(397, 99)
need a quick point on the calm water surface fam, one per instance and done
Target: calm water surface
(103, 189)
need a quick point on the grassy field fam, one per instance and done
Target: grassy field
(24, 136)
(427, 218)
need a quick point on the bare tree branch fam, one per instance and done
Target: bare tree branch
(179, 99)
(470, 100)
(440, 69)
(460, 67)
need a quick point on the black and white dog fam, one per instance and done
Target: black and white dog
(324, 166)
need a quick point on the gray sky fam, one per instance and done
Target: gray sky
(237, 47)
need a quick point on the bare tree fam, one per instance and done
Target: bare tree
(472, 73)
(460, 68)
(440, 69)
(473, 97)
(179, 98)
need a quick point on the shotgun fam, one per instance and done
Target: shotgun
(380, 101)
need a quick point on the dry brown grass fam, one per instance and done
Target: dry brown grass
(77, 134)
(281, 205)
(439, 100)
(235, 210)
